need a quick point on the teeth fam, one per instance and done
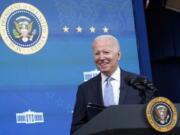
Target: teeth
(102, 64)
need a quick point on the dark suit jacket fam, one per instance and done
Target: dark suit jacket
(91, 92)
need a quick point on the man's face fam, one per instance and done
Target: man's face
(105, 55)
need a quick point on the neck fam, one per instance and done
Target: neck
(108, 74)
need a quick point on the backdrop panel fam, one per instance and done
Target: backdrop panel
(44, 84)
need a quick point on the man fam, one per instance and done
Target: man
(108, 88)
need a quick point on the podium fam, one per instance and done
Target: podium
(123, 120)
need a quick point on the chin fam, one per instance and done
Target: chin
(106, 72)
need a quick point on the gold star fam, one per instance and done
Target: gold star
(105, 29)
(92, 29)
(79, 29)
(66, 29)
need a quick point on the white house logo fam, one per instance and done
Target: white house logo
(23, 28)
(90, 74)
(30, 117)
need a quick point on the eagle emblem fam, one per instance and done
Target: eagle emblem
(162, 115)
(23, 29)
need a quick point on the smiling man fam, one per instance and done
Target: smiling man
(108, 88)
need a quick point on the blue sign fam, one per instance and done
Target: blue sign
(45, 53)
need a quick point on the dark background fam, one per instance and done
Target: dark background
(163, 28)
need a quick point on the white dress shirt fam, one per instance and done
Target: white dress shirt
(115, 82)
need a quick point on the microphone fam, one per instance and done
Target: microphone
(142, 84)
(137, 83)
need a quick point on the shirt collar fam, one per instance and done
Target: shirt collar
(115, 75)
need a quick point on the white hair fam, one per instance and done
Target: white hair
(116, 45)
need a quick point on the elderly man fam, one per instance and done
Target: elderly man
(108, 88)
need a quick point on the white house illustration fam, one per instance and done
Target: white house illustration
(29, 117)
(90, 74)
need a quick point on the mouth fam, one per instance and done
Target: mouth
(103, 64)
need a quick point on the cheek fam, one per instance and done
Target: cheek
(95, 59)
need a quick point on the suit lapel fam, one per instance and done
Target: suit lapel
(98, 89)
(123, 91)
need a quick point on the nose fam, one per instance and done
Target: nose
(101, 56)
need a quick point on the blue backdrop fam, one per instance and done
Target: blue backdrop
(47, 80)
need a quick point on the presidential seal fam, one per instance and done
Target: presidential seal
(161, 114)
(23, 28)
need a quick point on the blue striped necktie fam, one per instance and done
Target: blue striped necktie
(108, 93)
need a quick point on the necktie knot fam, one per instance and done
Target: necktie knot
(109, 79)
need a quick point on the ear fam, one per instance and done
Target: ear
(119, 55)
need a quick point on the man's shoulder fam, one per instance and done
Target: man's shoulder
(91, 81)
(130, 74)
